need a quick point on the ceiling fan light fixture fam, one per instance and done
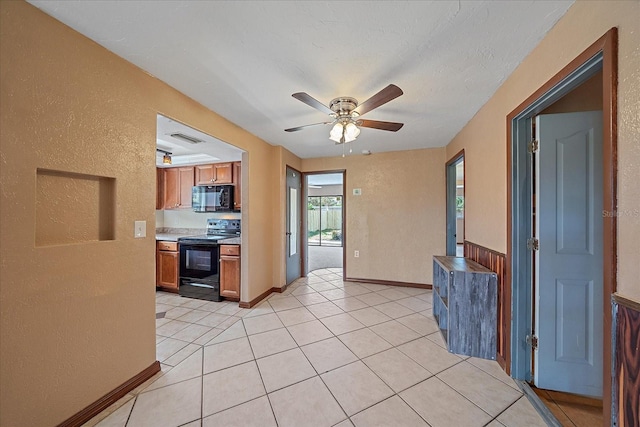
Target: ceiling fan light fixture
(336, 133)
(351, 131)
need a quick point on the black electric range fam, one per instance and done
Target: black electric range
(200, 259)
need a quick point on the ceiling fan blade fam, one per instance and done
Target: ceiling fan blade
(312, 102)
(305, 126)
(385, 95)
(375, 124)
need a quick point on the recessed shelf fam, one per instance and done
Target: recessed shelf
(73, 208)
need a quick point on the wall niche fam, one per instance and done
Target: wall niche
(73, 208)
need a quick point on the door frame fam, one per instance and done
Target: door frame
(451, 242)
(601, 55)
(305, 192)
(286, 212)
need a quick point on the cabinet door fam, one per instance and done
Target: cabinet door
(186, 183)
(159, 188)
(223, 173)
(205, 174)
(237, 180)
(167, 273)
(171, 188)
(230, 276)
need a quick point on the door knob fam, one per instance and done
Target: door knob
(288, 233)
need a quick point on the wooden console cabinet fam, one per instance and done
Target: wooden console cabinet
(230, 272)
(465, 305)
(167, 257)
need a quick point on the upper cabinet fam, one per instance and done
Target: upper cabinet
(174, 184)
(237, 180)
(177, 187)
(217, 173)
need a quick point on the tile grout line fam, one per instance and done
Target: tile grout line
(333, 335)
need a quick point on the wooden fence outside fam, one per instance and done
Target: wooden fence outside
(330, 219)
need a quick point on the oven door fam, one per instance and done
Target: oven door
(199, 271)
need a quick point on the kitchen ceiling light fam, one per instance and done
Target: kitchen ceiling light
(166, 158)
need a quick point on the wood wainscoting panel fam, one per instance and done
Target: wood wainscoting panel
(496, 262)
(625, 404)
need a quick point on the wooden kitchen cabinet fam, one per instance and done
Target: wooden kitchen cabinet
(237, 190)
(159, 188)
(167, 266)
(177, 187)
(230, 272)
(216, 173)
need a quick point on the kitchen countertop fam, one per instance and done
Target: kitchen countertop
(230, 241)
(172, 237)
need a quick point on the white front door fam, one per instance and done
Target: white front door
(569, 273)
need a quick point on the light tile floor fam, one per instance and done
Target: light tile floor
(323, 353)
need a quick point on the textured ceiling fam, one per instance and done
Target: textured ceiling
(244, 59)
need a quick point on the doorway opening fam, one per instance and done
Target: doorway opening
(324, 203)
(561, 251)
(455, 205)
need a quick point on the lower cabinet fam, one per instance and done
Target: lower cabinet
(465, 298)
(230, 272)
(167, 256)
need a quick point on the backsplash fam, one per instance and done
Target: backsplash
(189, 219)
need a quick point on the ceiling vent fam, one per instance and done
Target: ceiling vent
(187, 138)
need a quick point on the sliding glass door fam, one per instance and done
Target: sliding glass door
(324, 220)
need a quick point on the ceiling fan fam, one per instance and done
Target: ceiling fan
(345, 112)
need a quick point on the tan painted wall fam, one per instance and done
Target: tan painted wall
(77, 320)
(484, 137)
(398, 223)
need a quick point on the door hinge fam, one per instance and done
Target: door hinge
(533, 146)
(532, 340)
(533, 244)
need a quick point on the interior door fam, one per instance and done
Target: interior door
(569, 270)
(451, 204)
(294, 221)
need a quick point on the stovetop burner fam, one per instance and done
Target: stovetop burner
(217, 229)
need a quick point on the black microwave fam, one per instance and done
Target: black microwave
(212, 198)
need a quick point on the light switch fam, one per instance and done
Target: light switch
(357, 191)
(140, 229)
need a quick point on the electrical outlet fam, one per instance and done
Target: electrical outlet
(140, 229)
(356, 254)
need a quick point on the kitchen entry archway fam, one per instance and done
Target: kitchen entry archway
(324, 221)
(599, 57)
